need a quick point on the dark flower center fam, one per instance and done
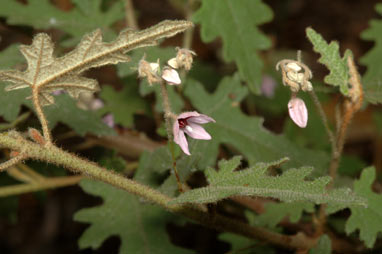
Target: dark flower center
(182, 122)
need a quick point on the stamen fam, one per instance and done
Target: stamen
(188, 127)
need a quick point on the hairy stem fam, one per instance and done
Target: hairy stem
(131, 20)
(188, 34)
(168, 116)
(57, 156)
(324, 119)
(41, 116)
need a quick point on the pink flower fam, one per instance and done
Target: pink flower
(298, 112)
(189, 122)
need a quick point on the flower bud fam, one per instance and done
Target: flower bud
(173, 63)
(294, 66)
(149, 71)
(171, 76)
(298, 112)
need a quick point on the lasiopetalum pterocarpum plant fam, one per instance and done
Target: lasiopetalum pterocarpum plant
(275, 180)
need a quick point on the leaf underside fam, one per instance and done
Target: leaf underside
(48, 73)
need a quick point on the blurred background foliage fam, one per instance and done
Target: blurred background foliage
(233, 80)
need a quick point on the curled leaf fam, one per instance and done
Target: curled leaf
(48, 73)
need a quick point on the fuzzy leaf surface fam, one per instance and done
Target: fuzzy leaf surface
(255, 181)
(367, 220)
(236, 21)
(85, 17)
(331, 58)
(123, 104)
(140, 227)
(246, 133)
(372, 80)
(48, 73)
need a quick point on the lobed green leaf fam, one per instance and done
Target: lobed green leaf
(331, 58)
(141, 228)
(372, 80)
(367, 219)
(236, 23)
(254, 181)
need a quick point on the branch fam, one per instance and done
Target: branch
(57, 156)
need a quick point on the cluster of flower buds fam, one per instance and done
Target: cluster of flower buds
(152, 72)
(296, 75)
(149, 70)
(187, 122)
(183, 59)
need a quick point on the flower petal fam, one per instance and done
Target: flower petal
(188, 114)
(196, 131)
(298, 112)
(171, 76)
(201, 119)
(182, 142)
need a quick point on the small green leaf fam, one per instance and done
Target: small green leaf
(123, 104)
(141, 228)
(324, 246)
(236, 22)
(372, 80)
(368, 220)
(255, 181)
(331, 58)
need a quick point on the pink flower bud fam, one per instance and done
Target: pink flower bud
(171, 76)
(298, 112)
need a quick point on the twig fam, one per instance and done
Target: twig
(351, 105)
(324, 118)
(168, 116)
(12, 162)
(18, 120)
(50, 183)
(41, 116)
(188, 34)
(130, 15)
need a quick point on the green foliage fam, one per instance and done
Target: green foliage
(235, 22)
(123, 104)
(246, 134)
(154, 166)
(324, 246)
(84, 18)
(255, 181)
(243, 245)
(276, 212)
(373, 76)
(331, 58)
(81, 121)
(140, 227)
(368, 220)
